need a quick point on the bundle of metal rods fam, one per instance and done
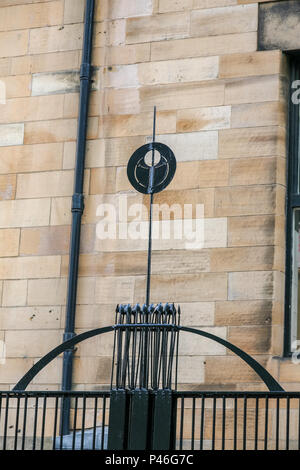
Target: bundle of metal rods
(145, 352)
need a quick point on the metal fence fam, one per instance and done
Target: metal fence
(204, 420)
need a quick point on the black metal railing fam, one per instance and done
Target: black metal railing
(238, 420)
(32, 420)
(204, 420)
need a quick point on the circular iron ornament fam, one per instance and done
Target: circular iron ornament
(138, 171)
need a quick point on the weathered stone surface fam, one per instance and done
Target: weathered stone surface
(216, 21)
(279, 25)
(156, 28)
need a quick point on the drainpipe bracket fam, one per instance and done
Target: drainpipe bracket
(85, 71)
(77, 203)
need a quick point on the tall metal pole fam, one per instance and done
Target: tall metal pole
(77, 208)
(150, 191)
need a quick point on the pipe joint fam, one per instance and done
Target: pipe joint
(85, 71)
(77, 203)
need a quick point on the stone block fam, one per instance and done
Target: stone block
(45, 184)
(237, 201)
(201, 119)
(258, 114)
(27, 213)
(157, 28)
(14, 293)
(45, 240)
(39, 108)
(55, 39)
(254, 171)
(255, 285)
(181, 96)
(47, 291)
(29, 158)
(252, 142)
(251, 230)
(9, 242)
(31, 343)
(251, 339)
(244, 312)
(14, 43)
(216, 21)
(30, 318)
(251, 64)
(29, 267)
(252, 89)
(242, 259)
(11, 134)
(204, 46)
(31, 16)
(7, 187)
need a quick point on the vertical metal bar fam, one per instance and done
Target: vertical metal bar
(43, 422)
(150, 190)
(95, 422)
(35, 422)
(299, 424)
(266, 423)
(162, 420)
(103, 421)
(256, 423)
(223, 422)
(214, 424)
(245, 424)
(235, 424)
(181, 423)
(74, 423)
(17, 423)
(24, 422)
(277, 422)
(287, 423)
(55, 423)
(202, 422)
(193, 424)
(83, 423)
(6, 422)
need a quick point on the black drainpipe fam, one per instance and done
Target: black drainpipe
(77, 208)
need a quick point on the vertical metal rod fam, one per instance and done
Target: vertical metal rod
(43, 422)
(266, 423)
(24, 422)
(55, 424)
(74, 423)
(95, 422)
(245, 424)
(214, 424)
(299, 424)
(193, 423)
(150, 190)
(202, 422)
(256, 423)
(35, 422)
(235, 424)
(6, 422)
(287, 423)
(103, 422)
(181, 423)
(83, 423)
(277, 423)
(17, 423)
(223, 423)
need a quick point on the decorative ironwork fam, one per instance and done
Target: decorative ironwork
(145, 342)
(151, 179)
